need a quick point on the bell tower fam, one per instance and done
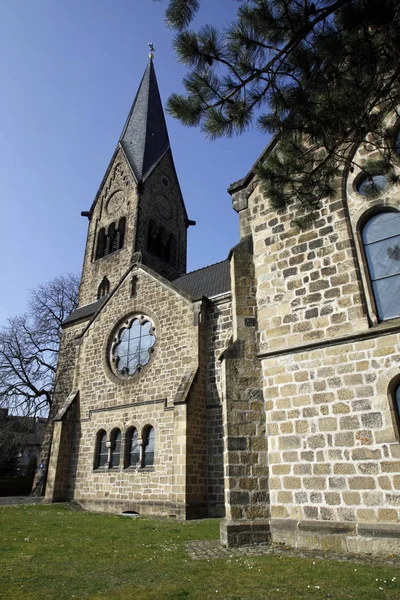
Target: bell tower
(139, 206)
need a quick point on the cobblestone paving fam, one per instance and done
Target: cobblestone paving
(209, 549)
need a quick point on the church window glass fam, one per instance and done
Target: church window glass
(101, 449)
(101, 240)
(133, 346)
(148, 447)
(381, 239)
(397, 143)
(397, 406)
(372, 186)
(133, 448)
(115, 448)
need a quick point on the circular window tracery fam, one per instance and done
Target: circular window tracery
(133, 346)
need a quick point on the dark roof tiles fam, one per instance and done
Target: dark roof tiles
(84, 312)
(145, 137)
(209, 281)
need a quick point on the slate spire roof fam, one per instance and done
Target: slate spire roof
(145, 137)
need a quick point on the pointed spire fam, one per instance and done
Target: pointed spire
(145, 137)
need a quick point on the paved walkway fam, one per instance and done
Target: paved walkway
(210, 549)
(9, 500)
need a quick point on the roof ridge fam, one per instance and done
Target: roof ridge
(202, 268)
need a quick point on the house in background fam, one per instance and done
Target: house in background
(20, 441)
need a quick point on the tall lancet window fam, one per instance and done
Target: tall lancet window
(381, 238)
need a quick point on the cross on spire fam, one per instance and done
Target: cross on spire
(152, 50)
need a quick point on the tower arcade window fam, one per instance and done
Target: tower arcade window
(381, 239)
(110, 240)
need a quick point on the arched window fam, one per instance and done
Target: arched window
(111, 235)
(101, 458)
(115, 448)
(104, 288)
(101, 238)
(121, 232)
(148, 446)
(132, 448)
(396, 404)
(381, 239)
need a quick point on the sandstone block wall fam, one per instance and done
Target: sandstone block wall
(327, 366)
(161, 202)
(116, 198)
(219, 334)
(107, 402)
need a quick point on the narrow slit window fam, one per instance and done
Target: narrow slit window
(133, 448)
(102, 450)
(115, 448)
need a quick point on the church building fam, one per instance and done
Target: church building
(264, 389)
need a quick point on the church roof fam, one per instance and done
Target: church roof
(84, 312)
(209, 281)
(145, 137)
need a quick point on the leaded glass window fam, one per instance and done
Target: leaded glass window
(397, 143)
(370, 186)
(115, 448)
(397, 403)
(381, 237)
(133, 448)
(102, 450)
(148, 447)
(133, 346)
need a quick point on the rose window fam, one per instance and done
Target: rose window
(133, 346)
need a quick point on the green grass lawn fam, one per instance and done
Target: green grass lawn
(54, 552)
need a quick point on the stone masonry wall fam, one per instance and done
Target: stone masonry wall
(161, 202)
(333, 451)
(327, 363)
(117, 198)
(64, 386)
(147, 398)
(219, 333)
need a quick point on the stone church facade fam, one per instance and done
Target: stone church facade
(263, 389)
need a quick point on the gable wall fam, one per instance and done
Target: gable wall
(147, 398)
(219, 333)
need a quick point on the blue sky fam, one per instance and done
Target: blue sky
(69, 71)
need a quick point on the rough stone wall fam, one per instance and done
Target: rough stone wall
(196, 444)
(245, 442)
(147, 398)
(333, 451)
(332, 447)
(161, 202)
(219, 333)
(64, 385)
(117, 198)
